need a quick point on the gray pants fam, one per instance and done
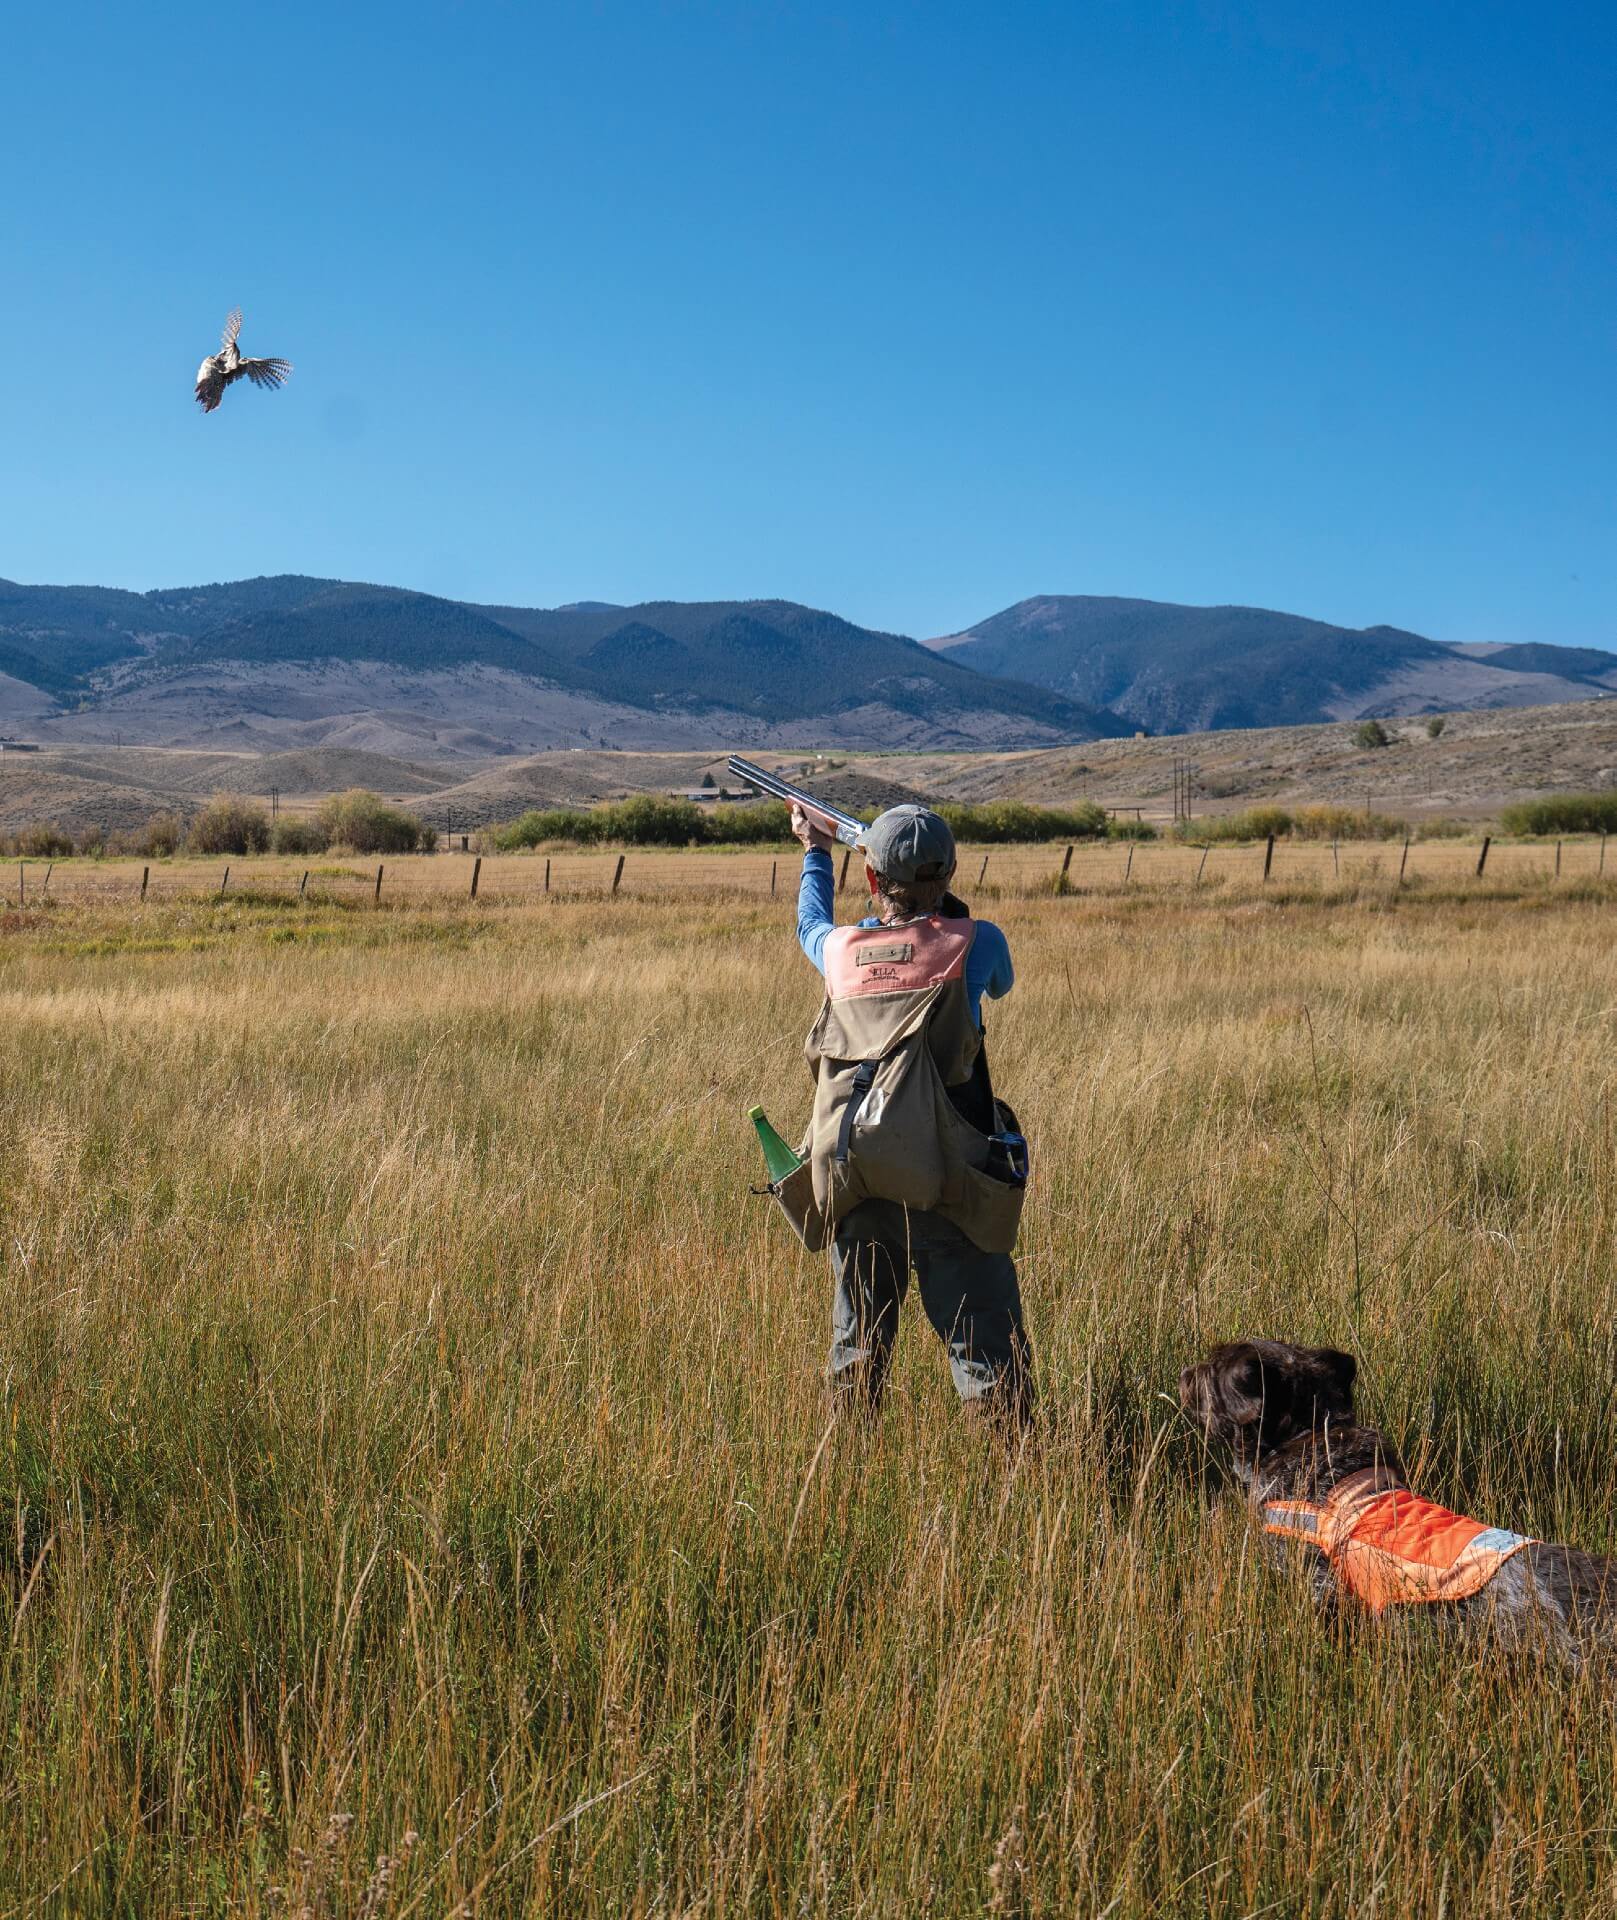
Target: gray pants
(971, 1298)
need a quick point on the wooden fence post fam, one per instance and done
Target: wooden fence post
(376, 898)
(1268, 856)
(774, 874)
(1482, 858)
(1336, 862)
(1602, 867)
(49, 870)
(618, 875)
(842, 878)
(224, 883)
(1403, 862)
(1128, 864)
(1203, 862)
(547, 873)
(982, 870)
(145, 875)
(477, 868)
(1066, 860)
(303, 883)
(1557, 859)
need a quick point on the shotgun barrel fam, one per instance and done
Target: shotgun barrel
(847, 829)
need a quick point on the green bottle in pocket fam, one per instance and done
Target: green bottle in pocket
(779, 1159)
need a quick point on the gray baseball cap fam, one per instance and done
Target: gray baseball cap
(910, 843)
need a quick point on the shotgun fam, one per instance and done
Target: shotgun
(844, 826)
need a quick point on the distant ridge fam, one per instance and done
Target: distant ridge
(1173, 669)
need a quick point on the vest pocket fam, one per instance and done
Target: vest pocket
(795, 1197)
(988, 1211)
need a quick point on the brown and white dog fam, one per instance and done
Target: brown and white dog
(1315, 1475)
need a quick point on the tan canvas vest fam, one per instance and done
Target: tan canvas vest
(895, 1033)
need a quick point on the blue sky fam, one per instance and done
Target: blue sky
(908, 311)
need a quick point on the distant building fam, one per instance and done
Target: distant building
(18, 746)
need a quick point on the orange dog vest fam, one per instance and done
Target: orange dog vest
(1391, 1548)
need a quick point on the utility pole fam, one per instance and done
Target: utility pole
(1184, 772)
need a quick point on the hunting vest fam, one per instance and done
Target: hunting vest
(893, 1052)
(1391, 1548)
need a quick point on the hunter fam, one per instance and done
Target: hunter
(915, 1167)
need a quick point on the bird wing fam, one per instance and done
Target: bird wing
(267, 373)
(210, 385)
(232, 327)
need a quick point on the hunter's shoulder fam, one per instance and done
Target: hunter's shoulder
(989, 963)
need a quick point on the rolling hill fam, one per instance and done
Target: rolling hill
(292, 662)
(1479, 762)
(1175, 669)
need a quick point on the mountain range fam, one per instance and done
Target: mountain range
(1174, 669)
(287, 662)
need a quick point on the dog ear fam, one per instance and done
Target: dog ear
(1246, 1372)
(1242, 1388)
(1342, 1367)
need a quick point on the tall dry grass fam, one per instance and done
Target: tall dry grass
(417, 1494)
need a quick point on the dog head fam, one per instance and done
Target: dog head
(1255, 1395)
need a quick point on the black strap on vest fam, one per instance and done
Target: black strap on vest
(863, 1078)
(973, 1098)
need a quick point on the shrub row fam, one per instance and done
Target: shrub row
(650, 821)
(1009, 822)
(356, 819)
(646, 820)
(230, 824)
(39, 840)
(1300, 823)
(1563, 813)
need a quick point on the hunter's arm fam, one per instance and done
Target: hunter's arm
(816, 904)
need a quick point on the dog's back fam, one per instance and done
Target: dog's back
(1286, 1414)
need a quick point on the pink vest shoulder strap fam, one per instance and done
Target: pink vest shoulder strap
(902, 959)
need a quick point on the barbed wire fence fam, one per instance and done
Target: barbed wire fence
(1274, 866)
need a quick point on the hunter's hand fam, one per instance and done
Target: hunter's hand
(810, 832)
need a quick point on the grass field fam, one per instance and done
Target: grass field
(417, 1492)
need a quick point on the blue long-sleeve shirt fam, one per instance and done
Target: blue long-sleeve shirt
(988, 965)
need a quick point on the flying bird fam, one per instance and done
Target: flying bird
(219, 369)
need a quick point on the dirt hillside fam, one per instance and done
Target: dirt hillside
(1473, 766)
